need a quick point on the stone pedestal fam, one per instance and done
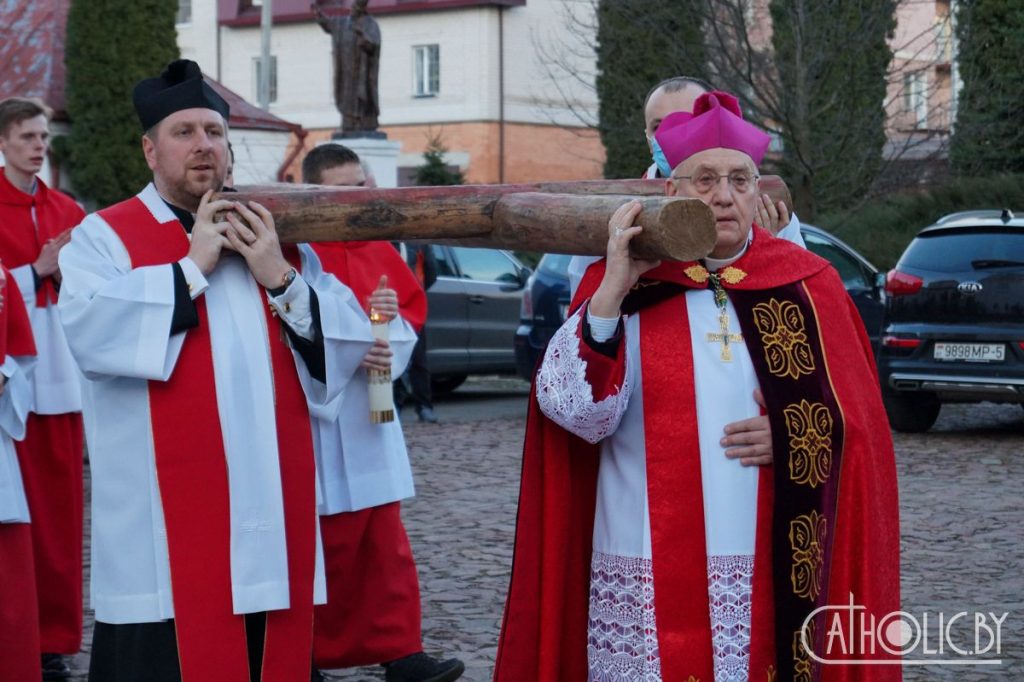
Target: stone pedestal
(381, 155)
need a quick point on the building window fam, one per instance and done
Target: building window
(184, 12)
(915, 98)
(427, 70)
(257, 70)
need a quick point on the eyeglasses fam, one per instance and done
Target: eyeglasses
(705, 182)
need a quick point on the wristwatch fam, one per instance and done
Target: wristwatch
(286, 281)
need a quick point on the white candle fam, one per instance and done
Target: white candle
(382, 397)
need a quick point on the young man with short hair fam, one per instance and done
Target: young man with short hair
(35, 224)
(372, 614)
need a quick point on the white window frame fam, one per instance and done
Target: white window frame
(915, 98)
(426, 70)
(256, 61)
(184, 15)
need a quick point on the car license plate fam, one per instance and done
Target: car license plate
(970, 352)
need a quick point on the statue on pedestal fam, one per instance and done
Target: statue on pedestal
(356, 41)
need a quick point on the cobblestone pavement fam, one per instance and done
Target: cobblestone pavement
(962, 525)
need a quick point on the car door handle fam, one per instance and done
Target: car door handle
(477, 298)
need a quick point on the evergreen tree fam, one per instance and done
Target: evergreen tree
(111, 45)
(640, 43)
(434, 170)
(832, 59)
(989, 130)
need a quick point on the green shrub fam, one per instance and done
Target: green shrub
(435, 171)
(111, 45)
(882, 229)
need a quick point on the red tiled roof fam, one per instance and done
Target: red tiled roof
(32, 51)
(32, 63)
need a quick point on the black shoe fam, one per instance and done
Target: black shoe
(426, 414)
(422, 668)
(55, 668)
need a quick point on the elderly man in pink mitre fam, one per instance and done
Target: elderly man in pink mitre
(645, 552)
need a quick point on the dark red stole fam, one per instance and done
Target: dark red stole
(188, 448)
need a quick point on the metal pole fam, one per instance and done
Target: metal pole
(266, 21)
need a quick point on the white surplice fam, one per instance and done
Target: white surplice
(15, 404)
(117, 320)
(56, 383)
(361, 464)
(622, 642)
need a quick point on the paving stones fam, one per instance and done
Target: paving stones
(962, 521)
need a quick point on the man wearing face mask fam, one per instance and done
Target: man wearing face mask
(642, 551)
(677, 94)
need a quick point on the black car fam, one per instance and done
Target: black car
(472, 314)
(545, 302)
(546, 297)
(955, 318)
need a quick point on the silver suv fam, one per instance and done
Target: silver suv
(473, 314)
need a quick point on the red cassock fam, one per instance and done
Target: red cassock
(19, 613)
(372, 614)
(827, 517)
(52, 452)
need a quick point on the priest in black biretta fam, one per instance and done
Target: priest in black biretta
(194, 333)
(180, 86)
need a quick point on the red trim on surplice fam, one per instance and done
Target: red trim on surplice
(359, 265)
(211, 638)
(544, 630)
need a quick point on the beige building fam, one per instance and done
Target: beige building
(470, 72)
(922, 88)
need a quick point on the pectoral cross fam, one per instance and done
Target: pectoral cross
(724, 337)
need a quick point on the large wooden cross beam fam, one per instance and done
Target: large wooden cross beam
(569, 217)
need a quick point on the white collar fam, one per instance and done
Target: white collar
(715, 264)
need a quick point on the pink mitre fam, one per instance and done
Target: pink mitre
(716, 122)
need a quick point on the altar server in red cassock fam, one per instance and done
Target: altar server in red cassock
(372, 614)
(642, 552)
(206, 346)
(19, 614)
(35, 222)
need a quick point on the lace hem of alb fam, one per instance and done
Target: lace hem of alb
(622, 639)
(565, 395)
(730, 586)
(622, 634)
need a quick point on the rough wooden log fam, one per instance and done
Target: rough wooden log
(500, 216)
(772, 185)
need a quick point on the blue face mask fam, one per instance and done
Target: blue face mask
(659, 158)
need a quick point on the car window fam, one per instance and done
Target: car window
(964, 251)
(556, 264)
(486, 265)
(849, 268)
(444, 264)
